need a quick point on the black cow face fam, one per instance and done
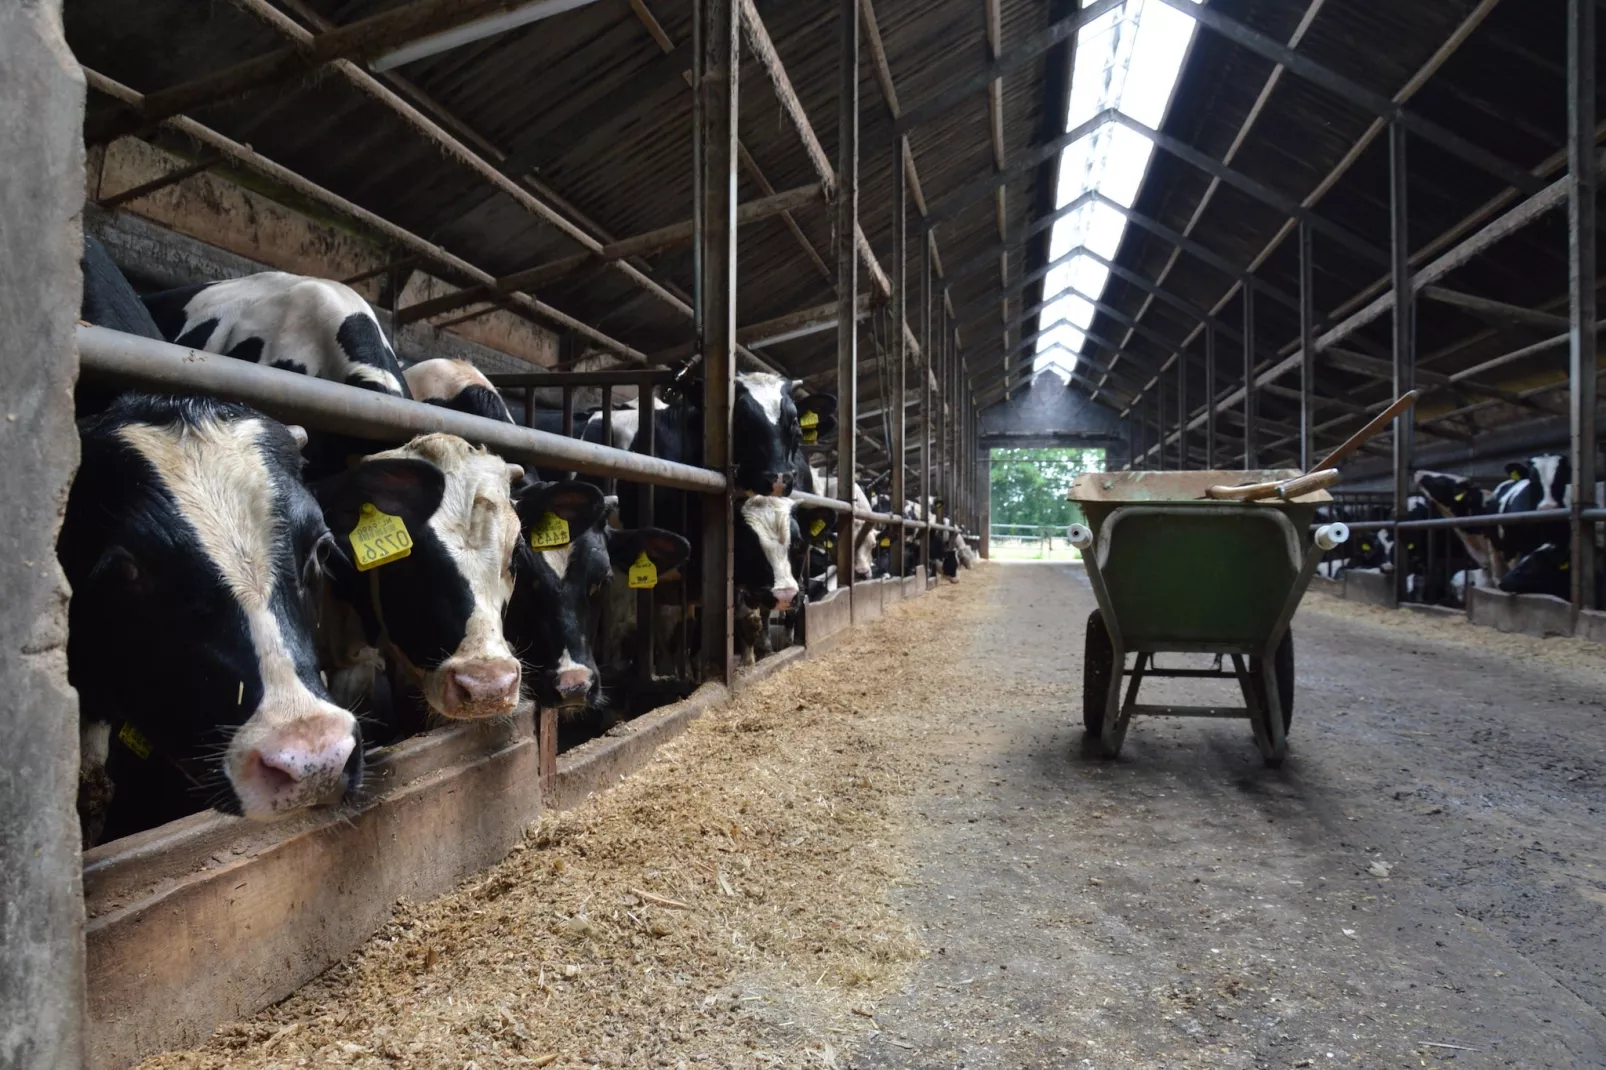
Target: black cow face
(1452, 495)
(1545, 570)
(767, 432)
(560, 592)
(437, 610)
(195, 556)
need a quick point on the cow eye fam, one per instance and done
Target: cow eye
(317, 561)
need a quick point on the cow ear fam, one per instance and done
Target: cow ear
(402, 486)
(664, 549)
(579, 504)
(817, 522)
(1516, 470)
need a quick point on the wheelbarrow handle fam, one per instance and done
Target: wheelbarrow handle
(1288, 488)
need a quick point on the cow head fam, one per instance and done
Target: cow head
(561, 589)
(768, 551)
(1544, 570)
(456, 385)
(1552, 476)
(1451, 495)
(195, 556)
(438, 609)
(768, 432)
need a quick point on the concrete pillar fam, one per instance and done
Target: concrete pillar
(41, 891)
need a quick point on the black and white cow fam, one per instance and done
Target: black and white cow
(769, 554)
(435, 614)
(456, 385)
(195, 557)
(559, 593)
(317, 327)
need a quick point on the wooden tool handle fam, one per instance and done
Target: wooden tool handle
(1290, 488)
(1378, 423)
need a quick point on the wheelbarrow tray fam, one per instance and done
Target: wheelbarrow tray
(1174, 571)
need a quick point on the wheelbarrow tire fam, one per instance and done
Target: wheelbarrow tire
(1098, 662)
(1283, 662)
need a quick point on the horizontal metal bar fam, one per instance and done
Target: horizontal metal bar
(837, 505)
(330, 406)
(610, 377)
(1488, 520)
(1200, 674)
(1144, 709)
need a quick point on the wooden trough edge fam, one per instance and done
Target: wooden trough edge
(209, 919)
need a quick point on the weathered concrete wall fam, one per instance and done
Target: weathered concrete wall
(1539, 615)
(41, 902)
(1049, 413)
(1373, 588)
(229, 217)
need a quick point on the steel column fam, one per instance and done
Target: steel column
(927, 363)
(1250, 461)
(847, 279)
(1404, 352)
(1210, 396)
(1581, 237)
(716, 47)
(900, 311)
(1307, 345)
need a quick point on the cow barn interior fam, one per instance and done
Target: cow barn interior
(687, 719)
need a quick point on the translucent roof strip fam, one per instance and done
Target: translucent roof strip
(1129, 60)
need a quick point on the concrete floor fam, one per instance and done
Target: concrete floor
(1419, 885)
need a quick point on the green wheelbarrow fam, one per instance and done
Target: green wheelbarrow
(1177, 570)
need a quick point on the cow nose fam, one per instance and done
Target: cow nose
(482, 688)
(861, 572)
(294, 764)
(573, 686)
(784, 596)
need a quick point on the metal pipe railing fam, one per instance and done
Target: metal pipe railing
(604, 377)
(838, 506)
(1530, 516)
(330, 406)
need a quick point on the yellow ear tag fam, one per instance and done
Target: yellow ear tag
(809, 419)
(643, 574)
(1563, 566)
(1463, 494)
(885, 541)
(816, 527)
(811, 435)
(551, 532)
(134, 740)
(379, 538)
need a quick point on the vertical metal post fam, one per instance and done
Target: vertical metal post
(1182, 411)
(529, 406)
(610, 485)
(1250, 460)
(1582, 179)
(1307, 346)
(900, 313)
(1404, 352)
(847, 280)
(568, 412)
(928, 347)
(1210, 395)
(943, 338)
(716, 48)
(646, 615)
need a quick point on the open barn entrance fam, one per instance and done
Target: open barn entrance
(1030, 512)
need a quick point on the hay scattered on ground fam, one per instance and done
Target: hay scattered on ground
(727, 906)
(1576, 655)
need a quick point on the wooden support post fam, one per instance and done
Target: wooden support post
(546, 732)
(1307, 345)
(1582, 180)
(900, 312)
(847, 280)
(646, 617)
(1404, 352)
(1250, 460)
(716, 49)
(927, 364)
(1210, 396)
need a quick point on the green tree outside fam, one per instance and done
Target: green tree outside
(1029, 485)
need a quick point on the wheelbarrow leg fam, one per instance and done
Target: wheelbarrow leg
(1119, 714)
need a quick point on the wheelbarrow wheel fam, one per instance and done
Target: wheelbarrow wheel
(1098, 662)
(1283, 662)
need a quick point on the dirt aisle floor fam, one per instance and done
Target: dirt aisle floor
(897, 855)
(1419, 885)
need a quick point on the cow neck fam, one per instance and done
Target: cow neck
(414, 674)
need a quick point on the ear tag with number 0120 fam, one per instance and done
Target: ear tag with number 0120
(643, 574)
(551, 532)
(379, 538)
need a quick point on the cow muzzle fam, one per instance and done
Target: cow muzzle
(275, 768)
(573, 687)
(783, 596)
(476, 688)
